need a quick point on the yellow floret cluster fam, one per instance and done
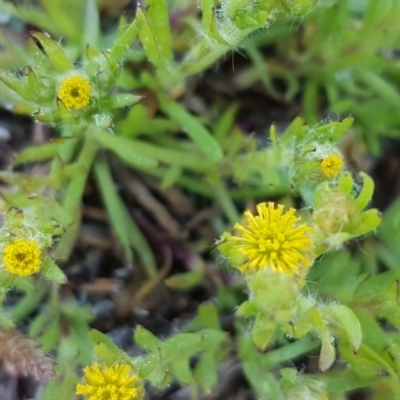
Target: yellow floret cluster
(74, 92)
(22, 257)
(118, 382)
(273, 239)
(331, 165)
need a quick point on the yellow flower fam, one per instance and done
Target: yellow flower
(22, 257)
(118, 382)
(331, 165)
(273, 239)
(75, 92)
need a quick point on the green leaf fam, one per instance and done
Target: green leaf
(381, 86)
(29, 302)
(33, 83)
(157, 14)
(58, 12)
(126, 150)
(247, 308)
(63, 113)
(209, 21)
(345, 318)
(45, 151)
(262, 332)
(92, 24)
(365, 196)
(55, 52)
(98, 337)
(186, 280)
(146, 339)
(328, 354)
(40, 322)
(13, 83)
(173, 355)
(51, 336)
(195, 130)
(123, 100)
(181, 368)
(122, 222)
(208, 315)
(206, 370)
(51, 271)
(126, 37)
(21, 200)
(149, 40)
(346, 381)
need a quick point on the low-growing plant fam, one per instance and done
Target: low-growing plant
(296, 287)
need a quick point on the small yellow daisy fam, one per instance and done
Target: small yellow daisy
(331, 165)
(22, 257)
(273, 239)
(75, 92)
(118, 382)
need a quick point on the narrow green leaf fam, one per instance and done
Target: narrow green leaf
(380, 86)
(126, 37)
(123, 100)
(346, 182)
(346, 381)
(33, 83)
(157, 13)
(122, 222)
(208, 315)
(206, 370)
(146, 339)
(262, 332)
(21, 200)
(195, 130)
(64, 114)
(51, 336)
(148, 38)
(39, 323)
(225, 123)
(55, 52)
(52, 271)
(180, 366)
(92, 24)
(29, 302)
(98, 337)
(13, 83)
(186, 280)
(367, 222)
(365, 196)
(345, 318)
(126, 150)
(56, 175)
(328, 354)
(43, 152)
(209, 21)
(171, 176)
(59, 14)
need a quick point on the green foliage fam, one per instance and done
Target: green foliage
(128, 108)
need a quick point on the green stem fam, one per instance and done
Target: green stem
(228, 206)
(29, 303)
(74, 193)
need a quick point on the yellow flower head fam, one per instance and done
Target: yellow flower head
(75, 92)
(22, 257)
(273, 239)
(331, 165)
(118, 382)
